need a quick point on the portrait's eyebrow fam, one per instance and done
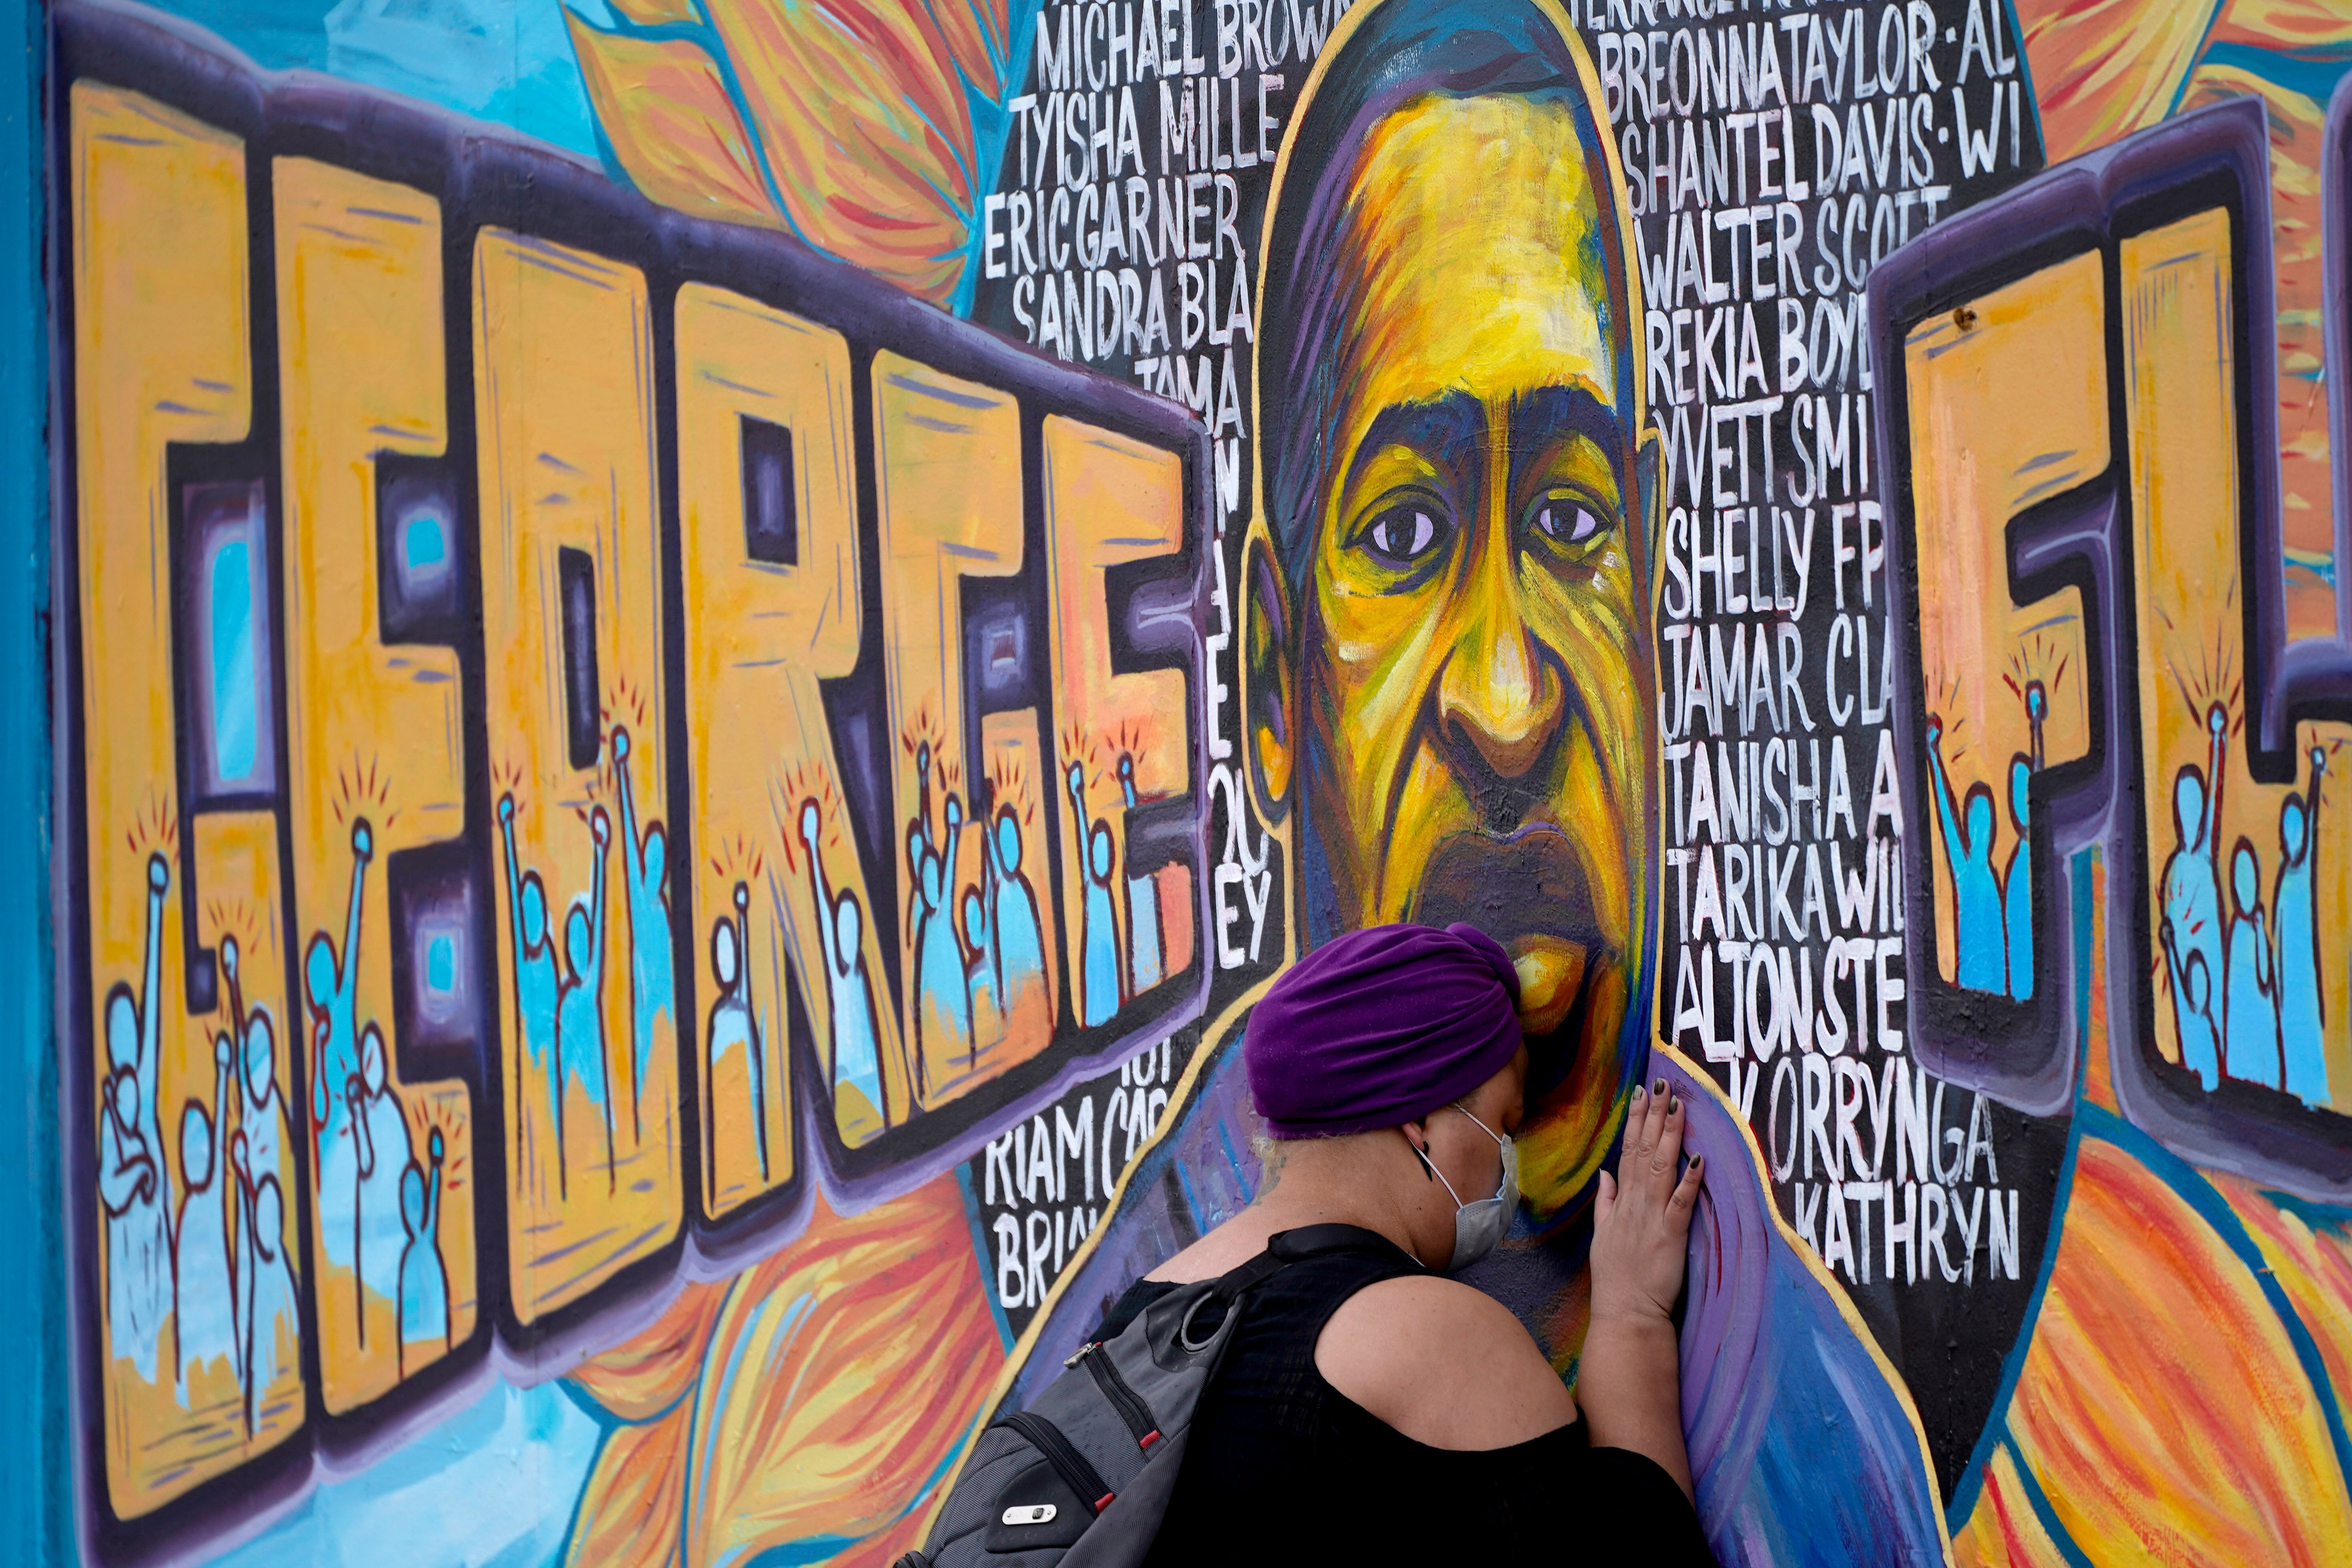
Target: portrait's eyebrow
(1447, 432)
(1541, 418)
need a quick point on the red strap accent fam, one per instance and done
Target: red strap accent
(1103, 1501)
(1148, 1438)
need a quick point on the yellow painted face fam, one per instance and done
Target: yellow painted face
(1474, 640)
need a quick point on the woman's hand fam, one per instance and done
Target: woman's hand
(1641, 1227)
(1629, 1380)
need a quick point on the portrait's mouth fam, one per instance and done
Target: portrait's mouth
(1528, 889)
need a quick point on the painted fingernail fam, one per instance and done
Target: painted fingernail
(1673, 1104)
(1659, 1087)
(1639, 1094)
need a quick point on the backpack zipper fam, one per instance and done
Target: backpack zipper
(1081, 1477)
(1123, 1399)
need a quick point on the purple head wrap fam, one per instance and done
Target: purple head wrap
(1379, 1028)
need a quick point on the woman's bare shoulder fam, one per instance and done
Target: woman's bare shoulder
(1442, 1362)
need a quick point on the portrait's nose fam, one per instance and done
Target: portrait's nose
(1500, 699)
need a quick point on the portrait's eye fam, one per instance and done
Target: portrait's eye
(1569, 523)
(1404, 535)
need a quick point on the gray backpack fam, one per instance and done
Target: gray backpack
(1083, 1477)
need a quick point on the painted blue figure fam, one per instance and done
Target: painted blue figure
(1019, 937)
(424, 1279)
(254, 1150)
(979, 972)
(2192, 1006)
(919, 916)
(2250, 1029)
(536, 990)
(2302, 1007)
(134, 1187)
(988, 963)
(2017, 898)
(734, 1026)
(333, 983)
(1099, 975)
(270, 1351)
(942, 1000)
(1982, 963)
(2192, 894)
(262, 1133)
(341, 1164)
(260, 1256)
(261, 1108)
(1143, 905)
(580, 1044)
(205, 1308)
(652, 990)
(849, 995)
(385, 1145)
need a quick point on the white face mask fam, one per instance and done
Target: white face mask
(1479, 1226)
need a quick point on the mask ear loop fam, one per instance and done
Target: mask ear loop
(1481, 1126)
(1432, 1171)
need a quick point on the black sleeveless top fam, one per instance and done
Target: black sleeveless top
(1283, 1468)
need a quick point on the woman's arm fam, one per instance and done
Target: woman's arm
(1630, 1378)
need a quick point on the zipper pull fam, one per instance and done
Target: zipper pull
(1083, 1351)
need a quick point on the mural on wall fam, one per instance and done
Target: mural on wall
(671, 840)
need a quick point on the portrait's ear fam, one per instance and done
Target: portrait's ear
(1648, 485)
(1266, 677)
(1647, 516)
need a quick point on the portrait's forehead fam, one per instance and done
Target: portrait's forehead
(1479, 260)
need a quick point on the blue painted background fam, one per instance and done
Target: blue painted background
(36, 1475)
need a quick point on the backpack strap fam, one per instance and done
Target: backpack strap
(1286, 1247)
(1315, 1240)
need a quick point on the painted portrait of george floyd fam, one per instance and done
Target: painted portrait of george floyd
(1450, 694)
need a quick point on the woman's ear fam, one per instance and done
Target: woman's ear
(1266, 641)
(1416, 1137)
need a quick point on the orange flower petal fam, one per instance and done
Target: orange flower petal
(974, 32)
(2103, 69)
(666, 111)
(643, 1377)
(784, 1394)
(868, 132)
(2313, 1266)
(2003, 1531)
(655, 13)
(2161, 1407)
(633, 1509)
(2284, 24)
(805, 1426)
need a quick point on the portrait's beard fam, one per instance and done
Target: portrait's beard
(1530, 888)
(1515, 869)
